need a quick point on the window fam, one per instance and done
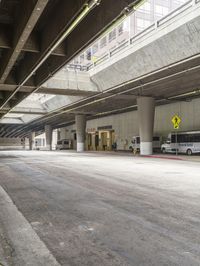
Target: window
(66, 142)
(161, 10)
(196, 137)
(103, 42)
(82, 58)
(112, 35)
(88, 54)
(76, 60)
(182, 138)
(145, 8)
(120, 29)
(173, 139)
(138, 140)
(95, 48)
(142, 24)
(179, 2)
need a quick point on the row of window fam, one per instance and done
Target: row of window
(160, 7)
(184, 138)
(102, 43)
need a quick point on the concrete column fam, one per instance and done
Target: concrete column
(48, 134)
(32, 141)
(146, 111)
(80, 132)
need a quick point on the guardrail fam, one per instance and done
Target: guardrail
(76, 67)
(127, 43)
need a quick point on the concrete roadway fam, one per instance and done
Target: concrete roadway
(63, 208)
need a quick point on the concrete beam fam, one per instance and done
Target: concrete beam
(67, 92)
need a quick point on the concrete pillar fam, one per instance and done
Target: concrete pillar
(146, 111)
(32, 141)
(80, 132)
(48, 134)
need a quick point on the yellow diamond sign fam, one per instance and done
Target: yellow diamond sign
(176, 120)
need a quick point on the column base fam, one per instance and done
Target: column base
(48, 148)
(80, 147)
(146, 148)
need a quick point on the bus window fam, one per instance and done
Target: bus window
(138, 140)
(196, 138)
(173, 138)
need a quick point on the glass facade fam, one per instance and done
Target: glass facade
(149, 12)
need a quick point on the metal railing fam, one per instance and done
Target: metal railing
(129, 42)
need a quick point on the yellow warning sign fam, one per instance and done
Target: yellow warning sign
(176, 120)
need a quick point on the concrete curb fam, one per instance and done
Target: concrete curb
(27, 247)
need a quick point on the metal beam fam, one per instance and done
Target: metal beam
(28, 15)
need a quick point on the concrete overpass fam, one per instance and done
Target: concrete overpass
(98, 208)
(161, 63)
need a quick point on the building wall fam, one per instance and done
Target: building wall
(126, 124)
(41, 140)
(12, 144)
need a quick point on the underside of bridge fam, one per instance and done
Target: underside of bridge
(99, 132)
(37, 38)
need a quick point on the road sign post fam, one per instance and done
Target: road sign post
(176, 120)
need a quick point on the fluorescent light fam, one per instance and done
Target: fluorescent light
(184, 94)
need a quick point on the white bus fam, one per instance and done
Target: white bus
(135, 143)
(182, 142)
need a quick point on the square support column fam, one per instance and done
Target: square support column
(146, 112)
(32, 141)
(80, 132)
(48, 134)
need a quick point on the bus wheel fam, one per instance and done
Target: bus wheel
(189, 152)
(163, 150)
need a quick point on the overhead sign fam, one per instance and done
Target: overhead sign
(89, 130)
(176, 120)
(105, 127)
